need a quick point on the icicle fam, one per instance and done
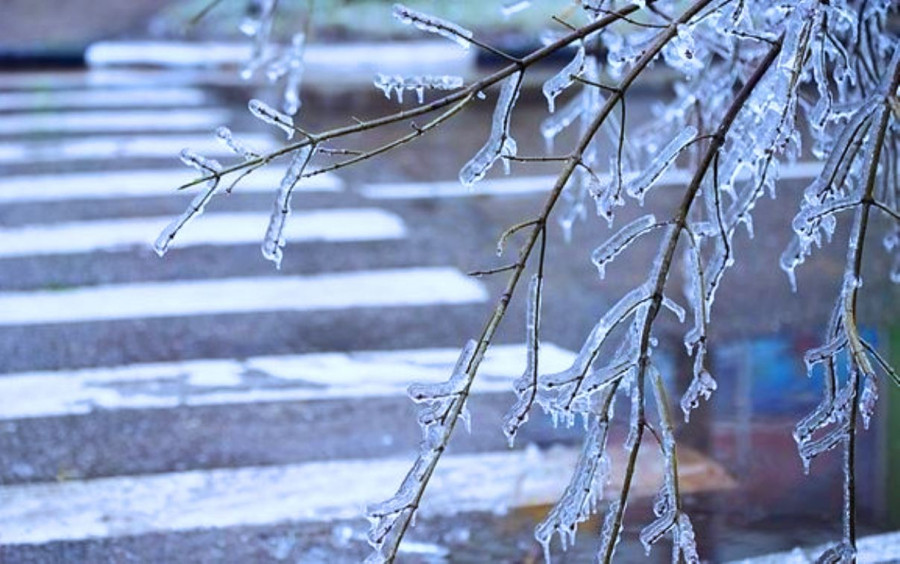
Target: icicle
(638, 187)
(274, 242)
(791, 258)
(432, 24)
(396, 83)
(605, 200)
(579, 501)
(258, 25)
(694, 293)
(867, 399)
(525, 386)
(806, 224)
(271, 116)
(564, 78)
(702, 386)
(295, 67)
(553, 124)
(224, 134)
(499, 143)
(605, 253)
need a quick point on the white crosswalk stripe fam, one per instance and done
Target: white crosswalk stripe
(316, 491)
(102, 98)
(309, 492)
(354, 60)
(119, 149)
(209, 229)
(115, 78)
(381, 288)
(97, 121)
(309, 377)
(140, 184)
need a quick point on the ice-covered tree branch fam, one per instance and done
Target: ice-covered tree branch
(737, 114)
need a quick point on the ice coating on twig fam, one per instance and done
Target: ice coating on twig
(685, 541)
(639, 187)
(568, 385)
(432, 24)
(526, 385)
(610, 534)
(207, 167)
(826, 194)
(610, 249)
(257, 24)
(390, 84)
(274, 242)
(290, 63)
(674, 307)
(702, 386)
(554, 86)
(681, 53)
(500, 143)
(581, 496)
(867, 399)
(225, 135)
(271, 116)
(438, 402)
(665, 506)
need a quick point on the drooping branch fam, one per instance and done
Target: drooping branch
(438, 104)
(388, 552)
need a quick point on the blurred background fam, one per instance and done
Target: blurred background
(206, 407)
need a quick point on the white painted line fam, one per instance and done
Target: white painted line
(113, 148)
(258, 496)
(536, 184)
(872, 549)
(379, 288)
(363, 224)
(321, 376)
(166, 53)
(96, 121)
(309, 493)
(341, 62)
(116, 78)
(453, 189)
(102, 98)
(141, 184)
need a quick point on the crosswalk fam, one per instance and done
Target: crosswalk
(169, 439)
